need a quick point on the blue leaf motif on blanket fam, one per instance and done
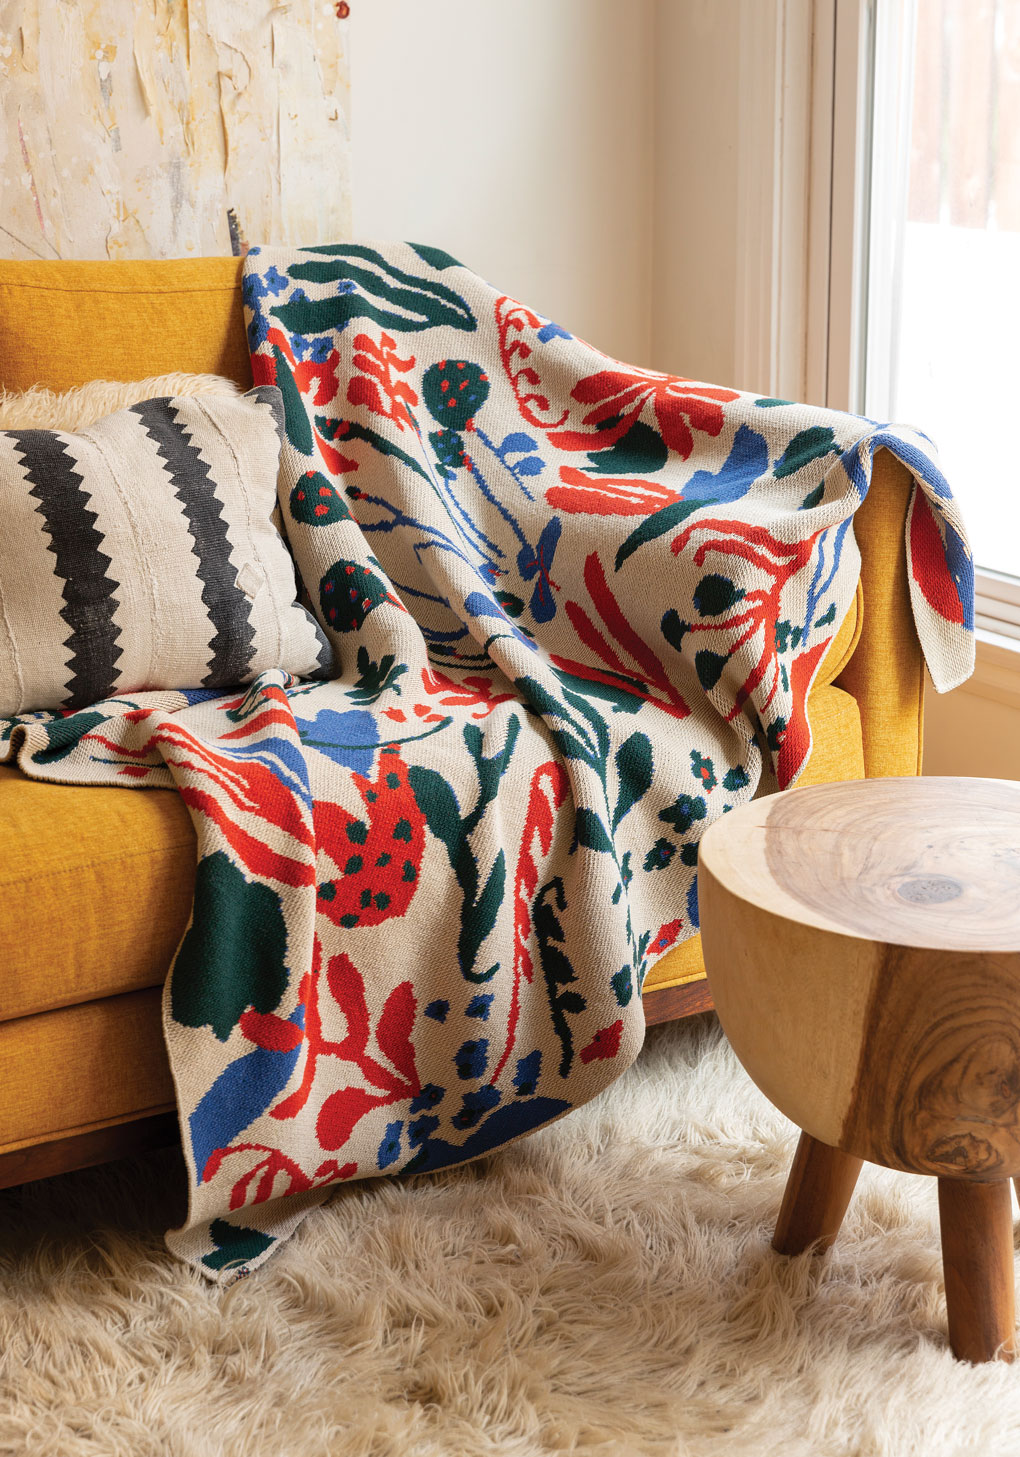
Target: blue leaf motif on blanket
(349, 739)
(500, 1126)
(477, 604)
(242, 1092)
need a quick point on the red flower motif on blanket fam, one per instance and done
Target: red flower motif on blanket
(346, 1106)
(668, 932)
(465, 693)
(263, 369)
(420, 710)
(757, 610)
(243, 797)
(796, 739)
(320, 372)
(343, 1108)
(618, 396)
(605, 1043)
(513, 321)
(928, 564)
(649, 673)
(607, 496)
(549, 788)
(336, 462)
(267, 1170)
(378, 363)
(379, 857)
(754, 615)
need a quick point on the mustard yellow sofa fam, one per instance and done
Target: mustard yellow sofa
(95, 884)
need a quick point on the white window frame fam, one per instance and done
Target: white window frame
(838, 260)
(997, 606)
(802, 184)
(806, 259)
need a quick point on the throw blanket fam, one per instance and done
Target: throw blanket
(576, 609)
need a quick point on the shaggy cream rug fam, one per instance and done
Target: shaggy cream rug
(603, 1287)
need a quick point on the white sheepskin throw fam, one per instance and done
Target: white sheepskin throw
(77, 409)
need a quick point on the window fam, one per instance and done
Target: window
(943, 275)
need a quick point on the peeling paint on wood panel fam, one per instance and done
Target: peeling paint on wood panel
(169, 128)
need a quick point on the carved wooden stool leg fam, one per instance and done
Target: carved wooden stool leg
(818, 1191)
(977, 1259)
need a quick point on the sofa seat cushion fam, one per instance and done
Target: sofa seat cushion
(80, 1068)
(95, 890)
(96, 883)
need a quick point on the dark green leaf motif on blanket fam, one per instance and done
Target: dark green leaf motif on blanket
(233, 955)
(641, 450)
(375, 678)
(437, 258)
(807, 446)
(667, 518)
(556, 967)
(295, 416)
(634, 769)
(438, 804)
(579, 732)
(403, 302)
(64, 735)
(235, 1245)
(349, 430)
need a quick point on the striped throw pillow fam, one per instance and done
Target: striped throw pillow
(140, 553)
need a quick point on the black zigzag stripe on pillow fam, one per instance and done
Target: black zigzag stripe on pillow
(89, 594)
(141, 553)
(234, 641)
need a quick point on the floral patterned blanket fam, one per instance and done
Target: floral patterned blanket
(576, 609)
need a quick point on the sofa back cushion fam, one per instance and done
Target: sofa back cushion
(63, 324)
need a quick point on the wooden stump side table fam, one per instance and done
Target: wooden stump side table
(862, 943)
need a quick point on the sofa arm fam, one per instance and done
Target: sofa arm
(886, 672)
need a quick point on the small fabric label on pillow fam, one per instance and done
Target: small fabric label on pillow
(248, 580)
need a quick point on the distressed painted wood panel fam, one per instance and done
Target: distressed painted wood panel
(169, 128)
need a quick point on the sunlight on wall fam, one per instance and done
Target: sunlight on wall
(519, 137)
(162, 128)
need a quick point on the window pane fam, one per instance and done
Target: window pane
(954, 369)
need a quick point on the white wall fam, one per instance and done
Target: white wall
(975, 730)
(520, 138)
(695, 194)
(568, 150)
